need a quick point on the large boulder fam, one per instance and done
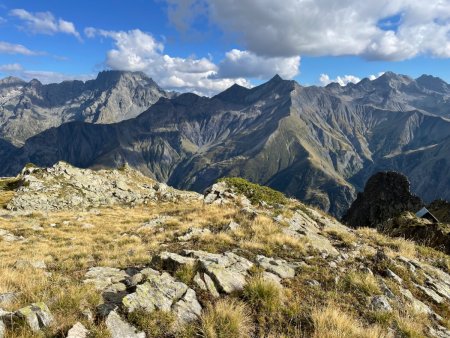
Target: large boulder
(228, 271)
(386, 195)
(37, 316)
(162, 292)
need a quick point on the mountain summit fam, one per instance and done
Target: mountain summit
(27, 109)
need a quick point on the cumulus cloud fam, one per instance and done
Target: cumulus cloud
(44, 23)
(341, 80)
(11, 68)
(238, 63)
(139, 51)
(344, 80)
(327, 27)
(11, 48)
(45, 77)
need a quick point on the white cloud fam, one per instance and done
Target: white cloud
(12, 67)
(341, 80)
(138, 51)
(16, 69)
(327, 27)
(10, 48)
(238, 63)
(52, 77)
(344, 80)
(44, 23)
(374, 77)
(2, 20)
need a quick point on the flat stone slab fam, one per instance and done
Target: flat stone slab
(280, 267)
(103, 277)
(164, 293)
(118, 328)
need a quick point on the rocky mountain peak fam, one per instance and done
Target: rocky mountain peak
(11, 80)
(386, 195)
(433, 83)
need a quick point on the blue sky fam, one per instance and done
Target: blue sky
(206, 45)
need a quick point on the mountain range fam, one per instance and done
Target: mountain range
(319, 144)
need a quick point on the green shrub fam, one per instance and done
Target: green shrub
(254, 192)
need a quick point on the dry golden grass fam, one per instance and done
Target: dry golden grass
(113, 237)
(332, 322)
(399, 246)
(227, 318)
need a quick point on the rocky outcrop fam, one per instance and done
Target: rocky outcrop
(386, 195)
(36, 316)
(63, 187)
(162, 292)
(441, 209)
(420, 230)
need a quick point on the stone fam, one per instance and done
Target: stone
(171, 261)
(193, 232)
(26, 264)
(279, 267)
(302, 226)
(103, 277)
(200, 282)
(232, 226)
(155, 222)
(271, 277)
(7, 297)
(394, 276)
(386, 291)
(37, 316)
(433, 295)
(9, 237)
(78, 331)
(187, 309)
(439, 332)
(164, 293)
(119, 328)
(228, 271)
(380, 303)
(210, 286)
(418, 306)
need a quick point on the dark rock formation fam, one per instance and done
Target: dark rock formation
(441, 209)
(386, 195)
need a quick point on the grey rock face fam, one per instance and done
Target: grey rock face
(164, 293)
(37, 316)
(380, 303)
(118, 328)
(29, 108)
(228, 271)
(104, 277)
(277, 266)
(84, 188)
(78, 331)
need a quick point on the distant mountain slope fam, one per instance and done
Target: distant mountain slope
(318, 144)
(28, 108)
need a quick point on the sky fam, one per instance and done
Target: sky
(205, 46)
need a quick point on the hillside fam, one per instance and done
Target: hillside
(146, 260)
(318, 144)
